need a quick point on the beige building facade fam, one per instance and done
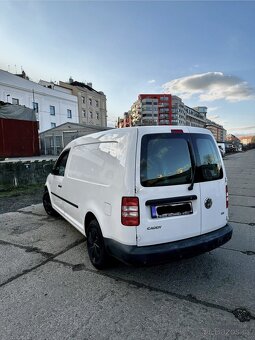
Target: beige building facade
(91, 103)
(217, 130)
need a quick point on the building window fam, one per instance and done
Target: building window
(97, 103)
(15, 101)
(83, 100)
(53, 125)
(69, 113)
(97, 114)
(52, 110)
(35, 107)
(84, 113)
(90, 101)
(91, 114)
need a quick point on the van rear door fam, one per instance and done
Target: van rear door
(210, 174)
(169, 211)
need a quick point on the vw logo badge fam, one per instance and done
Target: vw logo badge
(208, 203)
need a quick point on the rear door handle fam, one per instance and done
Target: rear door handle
(60, 186)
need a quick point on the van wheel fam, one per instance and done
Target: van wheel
(47, 204)
(96, 248)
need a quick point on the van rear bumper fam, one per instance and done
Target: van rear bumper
(163, 253)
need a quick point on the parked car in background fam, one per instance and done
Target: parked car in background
(222, 148)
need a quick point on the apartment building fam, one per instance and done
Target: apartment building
(217, 130)
(53, 105)
(162, 109)
(91, 103)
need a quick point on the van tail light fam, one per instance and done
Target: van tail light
(130, 211)
(226, 196)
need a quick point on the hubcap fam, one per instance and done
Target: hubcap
(94, 245)
(47, 203)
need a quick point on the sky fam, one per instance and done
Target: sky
(202, 51)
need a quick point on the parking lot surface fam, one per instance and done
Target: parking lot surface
(49, 290)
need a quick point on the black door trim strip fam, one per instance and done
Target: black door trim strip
(171, 200)
(63, 199)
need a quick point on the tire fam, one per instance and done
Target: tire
(47, 205)
(96, 249)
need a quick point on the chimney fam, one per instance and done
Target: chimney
(70, 80)
(89, 84)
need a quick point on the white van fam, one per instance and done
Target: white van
(222, 148)
(143, 195)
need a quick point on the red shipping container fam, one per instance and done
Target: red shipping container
(18, 138)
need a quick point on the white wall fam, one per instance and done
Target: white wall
(23, 89)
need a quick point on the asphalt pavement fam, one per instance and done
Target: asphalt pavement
(49, 290)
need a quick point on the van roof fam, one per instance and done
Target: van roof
(142, 129)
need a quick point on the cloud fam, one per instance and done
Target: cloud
(243, 128)
(214, 117)
(211, 86)
(212, 108)
(152, 81)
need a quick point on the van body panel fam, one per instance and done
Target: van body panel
(216, 216)
(99, 172)
(166, 229)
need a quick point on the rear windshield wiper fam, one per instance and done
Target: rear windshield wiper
(193, 172)
(153, 181)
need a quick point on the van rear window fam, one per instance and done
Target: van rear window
(165, 160)
(209, 166)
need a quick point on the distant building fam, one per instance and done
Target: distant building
(52, 105)
(232, 138)
(54, 140)
(217, 130)
(126, 121)
(91, 103)
(162, 109)
(245, 140)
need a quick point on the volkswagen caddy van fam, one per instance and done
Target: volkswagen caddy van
(143, 195)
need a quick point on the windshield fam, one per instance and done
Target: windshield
(166, 159)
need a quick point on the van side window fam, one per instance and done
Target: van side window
(60, 166)
(165, 160)
(208, 159)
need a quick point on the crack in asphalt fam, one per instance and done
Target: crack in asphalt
(241, 195)
(82, 267)
(50, 258)
(239, 205)
(28, 249)
(189, 297)
(30, 213)
(246, 252)
(250, 224)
